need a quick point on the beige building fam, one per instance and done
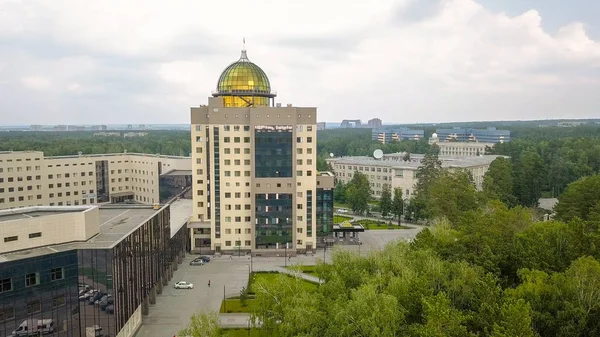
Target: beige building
(256, 185)
(392, 169)
(27, 178)
(460, 149)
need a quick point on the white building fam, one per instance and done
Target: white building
(460, 149)
(394, 170)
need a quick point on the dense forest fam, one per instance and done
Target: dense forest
(176, 143)
(543, 159)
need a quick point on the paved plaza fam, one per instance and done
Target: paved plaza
(227, 276)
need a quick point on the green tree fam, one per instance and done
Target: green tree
(515, 320)
(339, 193)
(580, 199)
(428, 172)
(529, 179)
(385, 202)
(498, 181)
(397, 207)
(358, 193)
(450, 195)
(202, 325)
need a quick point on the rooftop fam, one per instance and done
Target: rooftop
(390, 162)
(116, 223)
(38, 211)
(178, 173)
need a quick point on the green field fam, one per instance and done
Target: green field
(234, 305)
(272, 278)
(304, 269)
(337, 219)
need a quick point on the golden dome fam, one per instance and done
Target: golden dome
(244, 84)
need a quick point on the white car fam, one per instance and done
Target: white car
(184, 285)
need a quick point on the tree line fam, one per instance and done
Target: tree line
(175, 143)
(481, 269)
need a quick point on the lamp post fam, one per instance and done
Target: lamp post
(285, 256)
(239, 247)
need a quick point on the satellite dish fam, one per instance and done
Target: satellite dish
(378, 154)
(331, 154)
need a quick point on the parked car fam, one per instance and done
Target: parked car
(110, 309)
(184, 285)
(103, 299)
(86, 295)
(96, 297)
(104, 305)
(196, 262)
(83, 286)
(204, 258)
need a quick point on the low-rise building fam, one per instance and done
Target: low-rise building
(488, 135)
(460, 149)
(87, 270)
(387, 136)
(399, 170)
(27, 178)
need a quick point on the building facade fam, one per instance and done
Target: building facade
(460, 149)
(399, 171)
(54, 279)
(255, 179)
(27, 178)
(374, 123)
(489, 135)
(387, 136)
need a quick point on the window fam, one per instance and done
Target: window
(299, 150)
(246, 151)
(228, 243)
(228, 230)
(56, 274)
(309, 139)
(226, 140)
(5, 285)
(236, 139)
(34, 306)
(248, 243)
(32, 279)
(6, 314)
(35, 235)
(246, 139)
(11, 238)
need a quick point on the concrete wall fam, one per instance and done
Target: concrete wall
(55, 228)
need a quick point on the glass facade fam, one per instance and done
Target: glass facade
(172, 185)
(273, 155)
(217, 182)
(273, 214)
(40, 288)
(309, 209)
(324, 211)
(89, 292)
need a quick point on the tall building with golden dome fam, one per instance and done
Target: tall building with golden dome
(256, 186)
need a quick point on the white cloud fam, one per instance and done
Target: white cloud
(403, 61)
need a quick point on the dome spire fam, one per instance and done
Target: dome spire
(244, 56)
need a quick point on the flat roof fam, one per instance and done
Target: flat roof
(39, 211)
(116, 223)
(400, 164)
(178, 173)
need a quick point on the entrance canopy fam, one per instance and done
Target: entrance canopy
(347, 226)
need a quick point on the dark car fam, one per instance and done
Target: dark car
(97, 296)
(205, 259)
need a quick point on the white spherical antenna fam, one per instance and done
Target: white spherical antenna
(434, 135)
(331, 154)
(378, 154)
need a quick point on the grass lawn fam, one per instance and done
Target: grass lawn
(379, 225)
(272, 278)
(340, 218)
(305, 269)
(234, 306)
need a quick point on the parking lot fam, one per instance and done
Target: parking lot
(174, 307)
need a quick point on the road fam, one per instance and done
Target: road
(174, 307)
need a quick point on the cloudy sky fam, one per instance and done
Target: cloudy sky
(404, 61)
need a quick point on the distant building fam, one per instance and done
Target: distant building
(374, 123)
(76, 128)
(59, 128)
(570, 124)
(489, 135)
(460, 149)
(350, 123)
(107, 134)
(36, 127)
(134, 134)
(321, 126)
(387, 136)
(394, 170)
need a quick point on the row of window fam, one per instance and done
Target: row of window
(32, 279)
(33, 307)
(239, 231)
(16, 237)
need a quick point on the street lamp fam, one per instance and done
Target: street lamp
(239, 247)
